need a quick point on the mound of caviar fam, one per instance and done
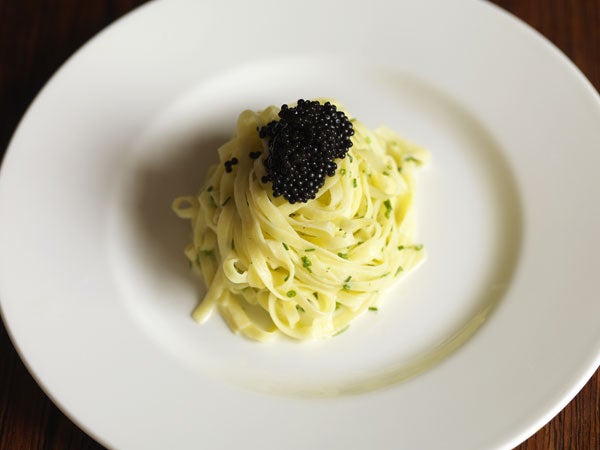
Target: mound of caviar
(303, 145)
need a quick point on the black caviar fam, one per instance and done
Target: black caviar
(229, 164)
(254, 155)
(303, 145)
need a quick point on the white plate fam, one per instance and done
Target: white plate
(96, 294)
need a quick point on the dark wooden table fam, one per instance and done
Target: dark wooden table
(36, 36)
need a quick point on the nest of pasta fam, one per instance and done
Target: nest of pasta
(302, 269)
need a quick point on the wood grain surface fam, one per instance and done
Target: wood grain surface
(37, 36)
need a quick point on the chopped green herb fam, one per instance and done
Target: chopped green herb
(291, 294)
(343, 255)
(388, 208)
(413, 159)
(418, 247)
(373, 308)
(287, 277)
(212, 201)
(400, 269)
(207, 252)
(401, 247)
(209, 189)
(368, 139)
(346, 287)
(306, 263)
(342, 330)
(285, 246)
(309, 249)
(385, 275)
(348, 279)
(342, 171)
(316, 295)
(350, 157)
(387, 173)
(226, 201)
(354, 182)
(338, 305)
(232, 244)
(299, 308)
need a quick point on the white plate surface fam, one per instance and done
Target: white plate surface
(489, 339)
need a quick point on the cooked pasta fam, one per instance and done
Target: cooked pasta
(302, 269)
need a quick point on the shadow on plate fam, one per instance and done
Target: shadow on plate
(167, 167)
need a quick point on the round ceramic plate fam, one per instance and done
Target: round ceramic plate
(477, 349)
